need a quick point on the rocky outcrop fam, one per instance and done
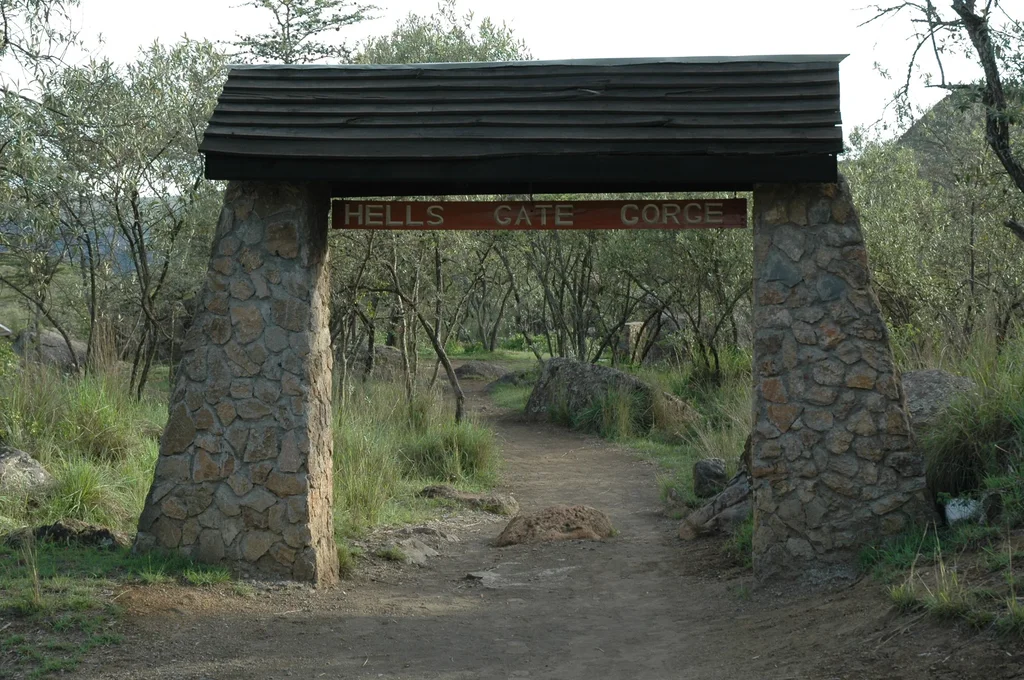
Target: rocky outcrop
(497, 503)
(930, 392)
(574, 387)
(557, 523)
(21, 474)
(51, 350)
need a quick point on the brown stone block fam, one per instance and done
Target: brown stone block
(226, 412)
(207, 468)
(783, 416)
(869, 448)
(829, 373)
(167, 532)
(889, 503)
(261, 445)
(260, 472)
(773, 390)
(804, 333)
(250, 260)
(173, 468)
(896, 422)
(255, 544)
(287, 484)
(248, 323)
(840, 484)
(174, 507)
(818, 419)
(242, 289)
(283, 554)
(211, 547)
(252, 409)
(862, 423)
(821, 396)
(861, 377)
(797, 210)
(297, 536)
(179, 433)
(290, 314)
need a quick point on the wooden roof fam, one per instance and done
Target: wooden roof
(618, 125)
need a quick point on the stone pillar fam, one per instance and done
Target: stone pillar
(244, 475)
(832, 462)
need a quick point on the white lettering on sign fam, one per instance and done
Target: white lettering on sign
(523, 215)
(632, 214)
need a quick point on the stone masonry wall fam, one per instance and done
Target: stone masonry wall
(244, 475)
(832, 462)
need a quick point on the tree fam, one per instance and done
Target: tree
(992, 39)
(30, 30)
(296, 29)
(443, 37)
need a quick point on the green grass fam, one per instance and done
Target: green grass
(513, 397)
(59, 600)
(392, 554)
(99, 444)
(386, 450)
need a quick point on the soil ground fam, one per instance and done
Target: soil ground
(642, 605)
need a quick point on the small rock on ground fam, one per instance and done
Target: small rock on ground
(557, 523)
(709, 477)
(416, 551)
(499, 504)
(20, 473)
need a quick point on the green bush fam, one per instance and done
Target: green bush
(97, 441)
(516, 343)
(386, 449)
(981, 435)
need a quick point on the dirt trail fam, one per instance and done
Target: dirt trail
(642, 605)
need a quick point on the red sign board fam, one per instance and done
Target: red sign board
(472, 215)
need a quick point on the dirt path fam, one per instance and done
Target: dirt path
(642, 605)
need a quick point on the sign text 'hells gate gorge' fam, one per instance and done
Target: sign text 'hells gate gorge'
(471, 215)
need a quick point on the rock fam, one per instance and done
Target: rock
(573, 387)
(514, 378)
(723, 513)
(709, 477)
(478, 370)
(20, 473)
(415, 551)
(387, 363)
(71, 532)
(499, 504)
(52, 350)
(930, 392)
(556, 523)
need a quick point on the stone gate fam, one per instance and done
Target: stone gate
(244, 475)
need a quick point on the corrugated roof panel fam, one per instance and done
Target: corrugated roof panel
(430, 126)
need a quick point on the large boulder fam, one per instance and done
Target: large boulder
(557, 523)
(573, 387)
(51, 350)
(21, 474)
(930, 392)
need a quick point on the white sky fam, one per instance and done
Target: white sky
(566, 29)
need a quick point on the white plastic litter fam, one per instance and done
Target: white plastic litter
(963, 510)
